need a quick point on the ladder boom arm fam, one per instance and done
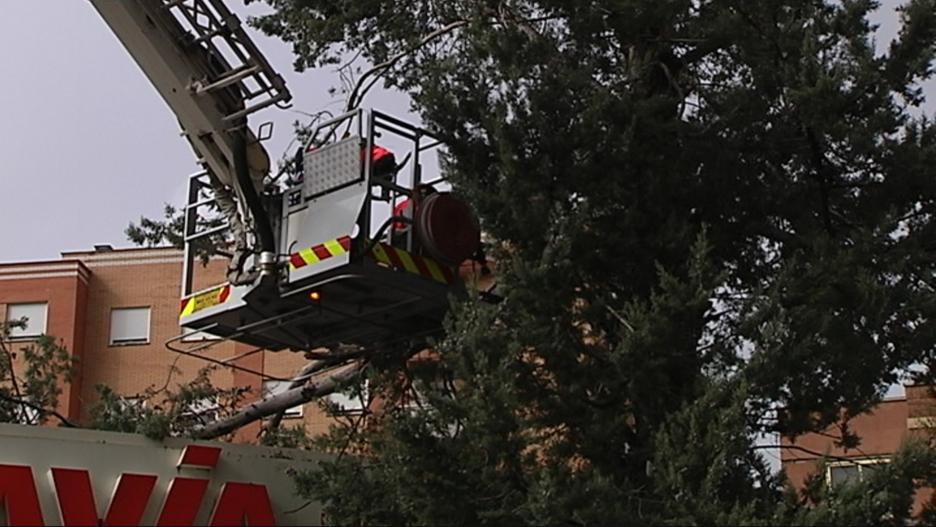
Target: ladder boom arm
(206, 68)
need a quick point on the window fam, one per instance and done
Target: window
(417, 394)
(271, 388)
(26, 414)
(842, 472)
(349, 402)
(35, 323)
(130, 326)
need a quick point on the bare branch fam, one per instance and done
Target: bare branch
(13, 380)
(358, 93)
(39, 409)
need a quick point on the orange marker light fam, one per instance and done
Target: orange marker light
(314, 295)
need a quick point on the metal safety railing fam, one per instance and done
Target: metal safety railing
(370, 125)
(194, 229)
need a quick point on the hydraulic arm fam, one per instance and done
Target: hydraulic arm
(330, 265)
(211, 74)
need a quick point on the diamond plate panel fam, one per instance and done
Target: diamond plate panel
(332, 167)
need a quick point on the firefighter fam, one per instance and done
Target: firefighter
(383, 163)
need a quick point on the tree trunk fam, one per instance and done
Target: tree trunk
(287, 399)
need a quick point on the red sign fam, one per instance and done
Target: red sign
(238, 504)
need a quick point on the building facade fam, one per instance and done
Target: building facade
(882, 432)
(114, 310)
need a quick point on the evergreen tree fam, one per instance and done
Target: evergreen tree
(703, 211)
(31, 375)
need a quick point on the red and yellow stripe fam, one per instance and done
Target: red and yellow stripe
(320, 252)
(213, 297)
(412, 263)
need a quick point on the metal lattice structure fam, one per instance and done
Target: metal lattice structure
(239, 63)
(205, 66)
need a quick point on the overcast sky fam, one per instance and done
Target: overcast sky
(88, 145)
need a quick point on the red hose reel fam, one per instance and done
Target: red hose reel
(446, 227)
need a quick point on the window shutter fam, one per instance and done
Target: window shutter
(130, 325)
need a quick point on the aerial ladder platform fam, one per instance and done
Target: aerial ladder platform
(340, 254)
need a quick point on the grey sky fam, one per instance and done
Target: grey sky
(87, 144)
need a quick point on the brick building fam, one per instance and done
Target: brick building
(114, 310)
(882, 432)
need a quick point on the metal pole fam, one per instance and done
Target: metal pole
(368, 204)
(191, 221)
(416, 180)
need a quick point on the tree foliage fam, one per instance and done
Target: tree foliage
(882, 497)
(33, 372)
(156, 233)
(30, 385)
(178, 410)
(170, 231)
(705, 211)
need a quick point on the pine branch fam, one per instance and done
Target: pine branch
(13, 381)
(360, 90)
(40, 409)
